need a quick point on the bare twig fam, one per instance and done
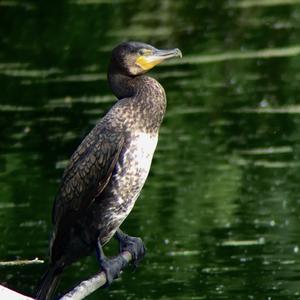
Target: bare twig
(6, 293)
(21, 262)
(90, 285)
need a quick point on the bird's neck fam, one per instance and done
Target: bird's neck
(146, 95)
(121, 85)
(125, 86)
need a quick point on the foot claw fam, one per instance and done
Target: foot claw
(112, 268)
(135, 246)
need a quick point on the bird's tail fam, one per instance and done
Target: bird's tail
(48, 283)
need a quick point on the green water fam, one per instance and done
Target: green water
(220, 212)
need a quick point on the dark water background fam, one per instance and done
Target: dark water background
(220, 210)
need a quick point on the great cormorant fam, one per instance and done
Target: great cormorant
(106, 173)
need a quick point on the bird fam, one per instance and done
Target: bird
(107, 171)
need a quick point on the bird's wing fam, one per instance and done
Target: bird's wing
(89, 170)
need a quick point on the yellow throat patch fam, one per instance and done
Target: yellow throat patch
(147, 63)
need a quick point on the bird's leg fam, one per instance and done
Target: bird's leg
(132, 244)
(110, 266)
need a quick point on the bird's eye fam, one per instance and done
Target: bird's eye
(144, 52)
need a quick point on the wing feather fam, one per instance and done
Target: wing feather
(89, 171)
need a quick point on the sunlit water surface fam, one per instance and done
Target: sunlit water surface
(220, 211)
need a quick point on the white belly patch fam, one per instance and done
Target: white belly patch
(132, 171)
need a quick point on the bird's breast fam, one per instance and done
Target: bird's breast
(135, 161)
(132, 170)
(140, 151)
(126, 183)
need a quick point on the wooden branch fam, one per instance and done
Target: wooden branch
(90, 285)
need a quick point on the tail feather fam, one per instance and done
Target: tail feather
(48, 283)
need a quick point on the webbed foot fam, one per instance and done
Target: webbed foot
(132, 244)
(110, 266)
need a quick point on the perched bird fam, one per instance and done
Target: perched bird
(106, 173)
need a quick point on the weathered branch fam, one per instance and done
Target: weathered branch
(90, 285)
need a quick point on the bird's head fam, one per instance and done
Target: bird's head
(135, 58)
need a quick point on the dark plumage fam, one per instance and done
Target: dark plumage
(108, 170)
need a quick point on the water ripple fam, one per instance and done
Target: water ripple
(237, 55)
(254, 3)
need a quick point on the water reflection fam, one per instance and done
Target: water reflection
(219, 213)
(213, 58)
